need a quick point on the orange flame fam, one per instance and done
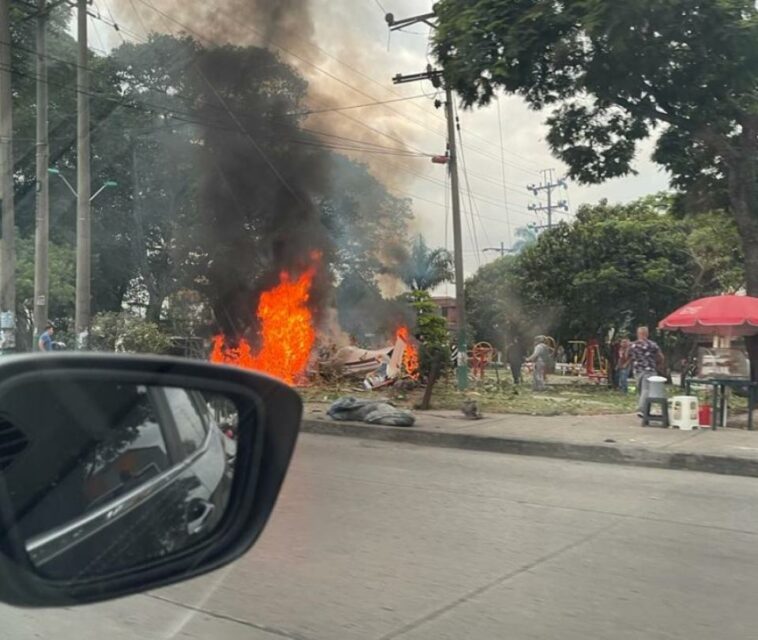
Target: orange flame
(410, 355)
(286, 332)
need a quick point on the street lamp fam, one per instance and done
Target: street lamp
(106, 185)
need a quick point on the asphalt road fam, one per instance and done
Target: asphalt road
(377, 541)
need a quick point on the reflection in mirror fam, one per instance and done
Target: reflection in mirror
(105, 476)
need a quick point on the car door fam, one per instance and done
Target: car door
(207, 475)
(125, 492)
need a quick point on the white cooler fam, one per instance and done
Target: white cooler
(684, 413)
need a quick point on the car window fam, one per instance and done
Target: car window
(106, 460)
(125, 461)
(189, 422)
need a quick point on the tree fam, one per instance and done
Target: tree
(364, 220)
(714, 242)
(495, 307)
(219, 187)
(425, 268)
(616, 74)
(62, 270)
(614, 265)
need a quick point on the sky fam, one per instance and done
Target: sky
(349, 57)
(518, 161)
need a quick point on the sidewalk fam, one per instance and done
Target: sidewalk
(614, 439)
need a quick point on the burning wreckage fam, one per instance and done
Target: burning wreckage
(378, 367)
(287, 338)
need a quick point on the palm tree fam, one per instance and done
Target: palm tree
(425, 268)
(527, 236)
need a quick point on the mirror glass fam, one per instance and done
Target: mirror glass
(106, 475)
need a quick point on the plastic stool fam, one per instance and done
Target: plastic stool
(648, 417)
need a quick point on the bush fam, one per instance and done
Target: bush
(125, 332)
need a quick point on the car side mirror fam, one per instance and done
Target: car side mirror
(120, 474)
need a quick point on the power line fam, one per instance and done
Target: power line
(308, 62)
(468, 186)
(356, 106)
(427, 113)
(337, 110)
(129, 101)
(502, 167)
(191, 118)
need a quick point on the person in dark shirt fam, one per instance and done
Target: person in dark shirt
(515, 356)
(646, 358)
(45, 342)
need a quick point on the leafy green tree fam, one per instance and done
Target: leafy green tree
(617, 73)
(62, 273)
(425, 268)
(495, 307)
(614, 266)
(714, 242)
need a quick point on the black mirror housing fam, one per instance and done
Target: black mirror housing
(269, 414)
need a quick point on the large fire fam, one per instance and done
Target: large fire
(410, 355)
(286, 332)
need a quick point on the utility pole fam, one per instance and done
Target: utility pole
(460, 298)
(42, 227)
(8, 224)
(83, 207)
(548, 184)
(437, 79)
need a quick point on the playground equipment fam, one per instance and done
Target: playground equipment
(482, 353)
(596, 367)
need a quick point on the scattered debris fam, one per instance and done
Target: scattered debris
(371, 412)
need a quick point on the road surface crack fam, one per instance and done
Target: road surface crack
(221, 616)
(496, 582)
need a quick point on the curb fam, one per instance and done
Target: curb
(601, 453)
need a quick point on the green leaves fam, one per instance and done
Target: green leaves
(615, 265)
(617, 71)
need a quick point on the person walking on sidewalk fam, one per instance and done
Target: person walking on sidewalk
(540, 358)
(646, 358)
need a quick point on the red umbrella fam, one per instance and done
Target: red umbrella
(730, 316)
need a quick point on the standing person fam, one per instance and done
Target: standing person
(515, 357)
(540, 358)
(646, 357)
(45, 342)
(623, 364)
